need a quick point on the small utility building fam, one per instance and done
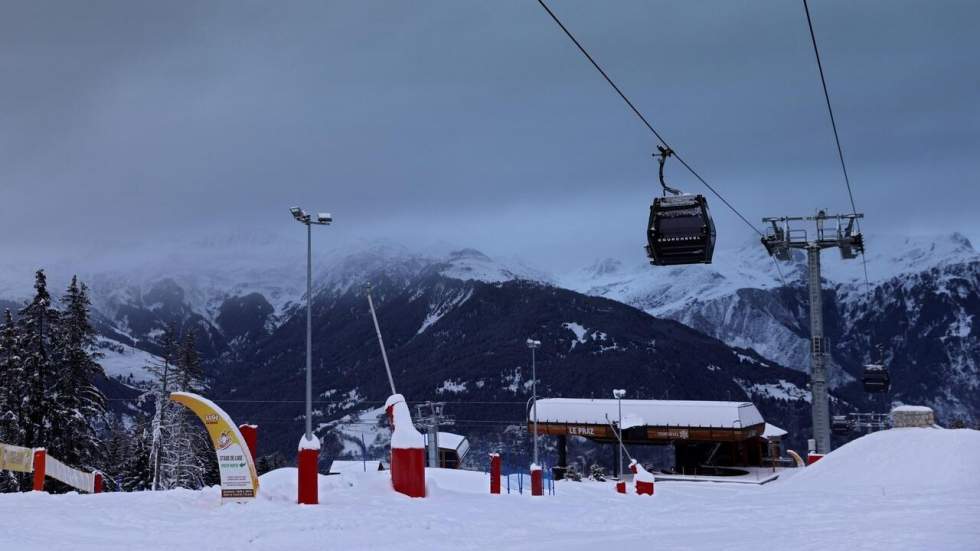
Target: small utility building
(703, 433)
(452, 449)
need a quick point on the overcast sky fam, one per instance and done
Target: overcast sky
(126, 123)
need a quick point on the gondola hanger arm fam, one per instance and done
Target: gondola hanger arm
(663, 153)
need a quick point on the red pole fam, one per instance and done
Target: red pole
(494, 473)
(251, 435)
(537, 482)
(39, 457)
(98, 483)
(408, 471)
(309, 472)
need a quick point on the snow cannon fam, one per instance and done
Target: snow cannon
(642, 478)
(407, 449)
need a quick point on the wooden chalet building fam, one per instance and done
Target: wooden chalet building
(704, 434)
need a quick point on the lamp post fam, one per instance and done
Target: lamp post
(534, 345)
(618, 394)
(309, 448)
(322, 219)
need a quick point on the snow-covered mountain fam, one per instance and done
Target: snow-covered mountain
(239, 290)
(235, 289)
(921, 302)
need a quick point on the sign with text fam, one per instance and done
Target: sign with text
(16, 458)
(239, 480)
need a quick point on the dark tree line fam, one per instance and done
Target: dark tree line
(49, 366)
(48, 369)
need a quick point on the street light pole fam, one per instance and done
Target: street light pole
(534, 345)
(309, 332)
(618, 394)
(308, 458)
(322, 219)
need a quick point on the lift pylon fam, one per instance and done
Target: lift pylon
(832, 230)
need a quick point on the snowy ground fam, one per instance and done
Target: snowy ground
(900, 489)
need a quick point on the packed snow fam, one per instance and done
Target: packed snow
(898, 489)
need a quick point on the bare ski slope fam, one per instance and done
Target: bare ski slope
(900, 489)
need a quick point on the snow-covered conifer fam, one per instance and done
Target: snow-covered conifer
(12, 383)
(37, 327)
(136, 471)
(79, 405)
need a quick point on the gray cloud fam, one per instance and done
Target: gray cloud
(125, 122)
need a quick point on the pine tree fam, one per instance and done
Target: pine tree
(196, 464)
(136, 473)
(182, 454)
(79, 404)
(36, 326)
(12, 383)
(190, 373)
(162, 427)
(117, 447)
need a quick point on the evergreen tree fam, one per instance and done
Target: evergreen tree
(12, 383)
(196, 464)
(162, 427)
(37, 326)
(182, 454)
(117, 448)
(136, 474)
(190, 373)
(79, 404)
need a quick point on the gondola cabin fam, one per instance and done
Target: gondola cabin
(875, 378)
(680, 231)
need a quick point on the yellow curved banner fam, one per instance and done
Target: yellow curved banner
(239, 480)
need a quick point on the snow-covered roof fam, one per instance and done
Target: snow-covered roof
(912, 409)
(344, 467)
(772, 431)
(451, 441)
(651, 413)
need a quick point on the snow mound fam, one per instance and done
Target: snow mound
(898, 461)
(280, 485)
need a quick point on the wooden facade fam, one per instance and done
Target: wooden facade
(650, 435)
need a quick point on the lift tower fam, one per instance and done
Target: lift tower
(840, 233)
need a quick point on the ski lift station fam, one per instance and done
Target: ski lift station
(704, 434)
(452, 449)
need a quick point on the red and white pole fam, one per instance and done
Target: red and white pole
(308, 470)
(40, 455)
(537, 481)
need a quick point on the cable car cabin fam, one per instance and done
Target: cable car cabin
(840, 425)
(680, 231)
(875, 378)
